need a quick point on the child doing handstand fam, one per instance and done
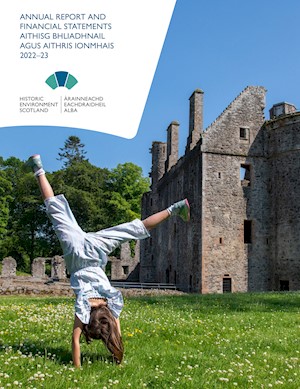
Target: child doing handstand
(98, 305)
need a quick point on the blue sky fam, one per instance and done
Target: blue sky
(216, 45)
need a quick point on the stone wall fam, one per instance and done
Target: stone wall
(33, 286)
(124, 268)
(127, 266)
(284, 188)
(38, 282)
(58, 268)
(9, 267)
(234, 142)
(173, 253)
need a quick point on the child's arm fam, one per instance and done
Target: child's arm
(77, 329)
(118, 325)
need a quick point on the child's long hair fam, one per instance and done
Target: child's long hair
(102, 325)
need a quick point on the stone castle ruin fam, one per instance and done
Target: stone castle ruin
(39, 282)
(241, 177)
(124, 267)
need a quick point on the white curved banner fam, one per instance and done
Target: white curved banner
(81, 64)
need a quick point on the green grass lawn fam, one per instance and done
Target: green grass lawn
(191, 341)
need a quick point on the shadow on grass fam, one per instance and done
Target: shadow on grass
(57, 354)
(235, 302)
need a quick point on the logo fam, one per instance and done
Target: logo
(61, 79)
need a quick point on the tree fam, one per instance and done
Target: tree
(125, 186)
(83, 184)
(5, 198)
(7, 183)
(98, 197)
(27, 226)
(72, 152)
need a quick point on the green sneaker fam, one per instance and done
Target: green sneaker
(181, 209)
(34, 162)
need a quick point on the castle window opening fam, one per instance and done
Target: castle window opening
(221, 240)
(219, 174)
(48, 268)
(245, 174)
(284, 285)
(125, 270)
(244, 133)
(167, 276)
(247, 231)
(227, 285)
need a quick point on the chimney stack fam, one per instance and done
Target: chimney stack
(158, 152)
(281, 109)
(196, 119)
(172, 145)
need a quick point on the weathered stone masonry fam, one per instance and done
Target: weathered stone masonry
(124, 267)
(241, 177)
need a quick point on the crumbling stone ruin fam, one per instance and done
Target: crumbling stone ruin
(9, 267)
(39, 282)
(58, 268)
(241, 177)
(126, 267)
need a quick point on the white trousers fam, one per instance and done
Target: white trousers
(83, 249)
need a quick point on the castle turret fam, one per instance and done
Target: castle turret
(196, 119)
(158, 152)
(172, 145)
(282, 109)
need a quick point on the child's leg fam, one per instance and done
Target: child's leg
(110, 238)
(57, 207)
(181, 209)
(36, 165)
(155, 219)
(45, 187)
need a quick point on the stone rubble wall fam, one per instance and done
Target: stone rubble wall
(20, 285)
(124, 268)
